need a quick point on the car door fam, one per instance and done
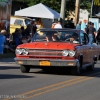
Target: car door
(86, 48)
(95, 50)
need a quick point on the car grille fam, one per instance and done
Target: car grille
(49, 53)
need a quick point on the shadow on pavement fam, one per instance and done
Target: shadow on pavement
(84, 72)
(8, 67)
(11, 76)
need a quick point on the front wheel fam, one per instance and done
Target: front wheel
(24, 69)
(76, 70)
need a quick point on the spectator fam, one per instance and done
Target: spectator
(71, 20)
(78, 26)
(98, 36)
(22, 31)
(58, 25)
(71, 24)
(33, 28)
(91, 34)
(87, 27)
(16, 36)
(53, 25)
(2, 41)
(95, 33)
(27, 31)
(83, 26)
(39, 23)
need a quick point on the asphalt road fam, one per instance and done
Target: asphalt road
(40, 85)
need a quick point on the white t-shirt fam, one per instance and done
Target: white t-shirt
(58, 26)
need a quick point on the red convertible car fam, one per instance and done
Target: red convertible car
(58, 48)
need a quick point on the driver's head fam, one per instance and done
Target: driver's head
(75, 36)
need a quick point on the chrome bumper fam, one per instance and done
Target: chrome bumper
(53, 62)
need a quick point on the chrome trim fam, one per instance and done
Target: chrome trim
(76, 60)
(45, 52)
(34, 50)
(53, 62)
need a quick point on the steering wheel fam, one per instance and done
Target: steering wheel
(68, 39)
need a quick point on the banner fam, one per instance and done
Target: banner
(95, 7)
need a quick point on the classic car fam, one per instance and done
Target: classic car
(58, 48)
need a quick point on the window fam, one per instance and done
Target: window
(57, 36)
(18, 22)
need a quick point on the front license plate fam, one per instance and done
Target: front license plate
(44, 63)
(20, 62)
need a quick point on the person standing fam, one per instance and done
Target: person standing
(98, 36)
(83, 26)
(87, 27)
(2, 41)
(91, 33)
(78, 26)
(58, 25)
(33, 28)
(39, 23)
(53, 25)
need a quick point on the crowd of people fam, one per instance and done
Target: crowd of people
(19, 36)
(88, 27)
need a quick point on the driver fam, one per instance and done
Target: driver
(74, 37)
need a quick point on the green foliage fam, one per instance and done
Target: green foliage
(56, 4)
(86, 4)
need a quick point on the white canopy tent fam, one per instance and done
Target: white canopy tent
(38, 10)
(98, 15)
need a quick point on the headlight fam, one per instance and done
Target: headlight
(19, 51)
(25, 51)
(65, 53)
(71, 53)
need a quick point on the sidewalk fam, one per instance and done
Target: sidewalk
(7, 60)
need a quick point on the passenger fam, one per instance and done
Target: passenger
(55, 38)
(48, 38)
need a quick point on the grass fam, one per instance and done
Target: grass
(7, 55)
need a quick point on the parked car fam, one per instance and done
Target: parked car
(17, 22)
(58, 48)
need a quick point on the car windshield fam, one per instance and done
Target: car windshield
(57, 36)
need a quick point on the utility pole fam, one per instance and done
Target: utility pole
(62, 12)
(77, 10)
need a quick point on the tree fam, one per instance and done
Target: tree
(56, 4)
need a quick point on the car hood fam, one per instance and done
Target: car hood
(49, 45)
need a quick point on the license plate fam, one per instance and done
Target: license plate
(44, 63)
(20, 62)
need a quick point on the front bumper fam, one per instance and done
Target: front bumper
(46, 62)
